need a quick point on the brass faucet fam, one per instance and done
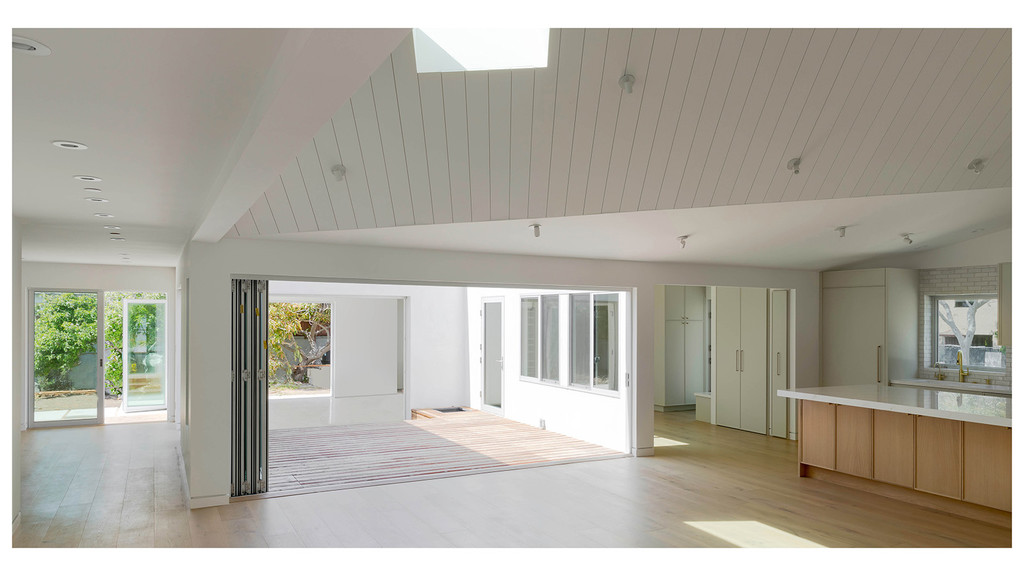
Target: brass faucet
(964, 372)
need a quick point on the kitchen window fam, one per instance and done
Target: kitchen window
(967, 324)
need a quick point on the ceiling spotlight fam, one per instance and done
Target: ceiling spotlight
(794, 165)
(112, 227)
(69, 145)
(103, 215)
(977, 165)
(842, 231)
(22, 45)
(536, 230)
(85, 178)
(906, 238)
(682, 241)
(626, 82)
(338, 171)
(95, 199)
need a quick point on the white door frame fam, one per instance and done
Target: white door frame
(124, 350)
(500, 300)
(30, 372)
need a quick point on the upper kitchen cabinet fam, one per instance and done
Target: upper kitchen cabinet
(869, 326)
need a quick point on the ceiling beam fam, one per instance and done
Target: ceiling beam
(315, 73)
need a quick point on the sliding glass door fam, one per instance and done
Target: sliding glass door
(145, 355)
(66, 386)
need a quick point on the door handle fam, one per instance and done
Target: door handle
(878, 365)
(741, 360)
(737, 360)
(778, 363)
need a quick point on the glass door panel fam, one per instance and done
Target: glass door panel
(66, 383)
(145, 355)
(606, 338)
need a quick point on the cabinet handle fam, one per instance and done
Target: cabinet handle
(741, 360)
(737, 360)
(878, 365)
(778, 363)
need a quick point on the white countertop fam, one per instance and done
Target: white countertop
(979, 408)
(953, 385)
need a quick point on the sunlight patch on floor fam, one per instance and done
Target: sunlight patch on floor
(659, 441)
(753, 534)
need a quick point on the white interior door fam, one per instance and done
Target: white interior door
(144, 355)
(493, 356)
(779, 364)
(754, 360)
(727, 352)
(65, 333)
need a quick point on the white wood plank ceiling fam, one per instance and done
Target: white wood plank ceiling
(713, 119)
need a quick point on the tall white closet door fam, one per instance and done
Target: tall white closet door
(727, 349)
(675, 363)
(694, 347)
(778, 364)
(753, 360)
(852, 335)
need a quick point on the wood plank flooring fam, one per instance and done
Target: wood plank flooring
(705, 486)
(306, 460)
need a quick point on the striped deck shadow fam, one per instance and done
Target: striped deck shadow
(304, 460)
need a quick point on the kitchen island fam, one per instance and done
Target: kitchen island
(940, 448)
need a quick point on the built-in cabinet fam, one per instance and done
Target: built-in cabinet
(741, 348)
(868, 326)
(960, 460)
(685, 344)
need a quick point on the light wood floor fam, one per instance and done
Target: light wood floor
(119, 486)
(304, 460)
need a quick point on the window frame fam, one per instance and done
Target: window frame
(589, 385)
(536, 366)
(935, 330)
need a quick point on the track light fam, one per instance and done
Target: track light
(338, 171)
(977, 165)
(906, 238)
(794, 165)
(842, 231)
(682, 241)
(626, 82)
(536, 230)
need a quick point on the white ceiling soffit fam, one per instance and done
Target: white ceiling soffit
(712, 120)
(798, 235)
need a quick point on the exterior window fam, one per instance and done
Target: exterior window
(528, 337)
(967, 324)
(594, 341)
(549, 337)
(580, 339)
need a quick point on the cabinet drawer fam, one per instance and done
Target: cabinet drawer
(987, 465)
(818, 434)
(854, 440)
(939, 456)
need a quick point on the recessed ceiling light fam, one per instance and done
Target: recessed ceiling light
(118, 239)
(85, 178)
(22, 45)
(95, 199)
(69, 145)
(112, 227)
(102, 215)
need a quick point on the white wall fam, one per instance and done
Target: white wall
(210, 267)
(435, 368)
(48, 275)
(17, 363)
(595, 417)
(994, 248)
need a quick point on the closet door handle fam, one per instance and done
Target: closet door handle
(741, 360)
(737, 360)
(878, 365)
(778, 363)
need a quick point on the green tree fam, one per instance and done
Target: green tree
(113, 333)
(65, 328)
(286, 320)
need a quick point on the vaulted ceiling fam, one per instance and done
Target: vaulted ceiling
(713, 119)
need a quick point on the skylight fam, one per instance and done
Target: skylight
(459, 49)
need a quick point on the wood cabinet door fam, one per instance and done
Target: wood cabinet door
(894, 448)
(854, 439)
(852, 335)
(754, 360)
(818, 434)
(987, 465)
(939, 456)
(727, 364)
